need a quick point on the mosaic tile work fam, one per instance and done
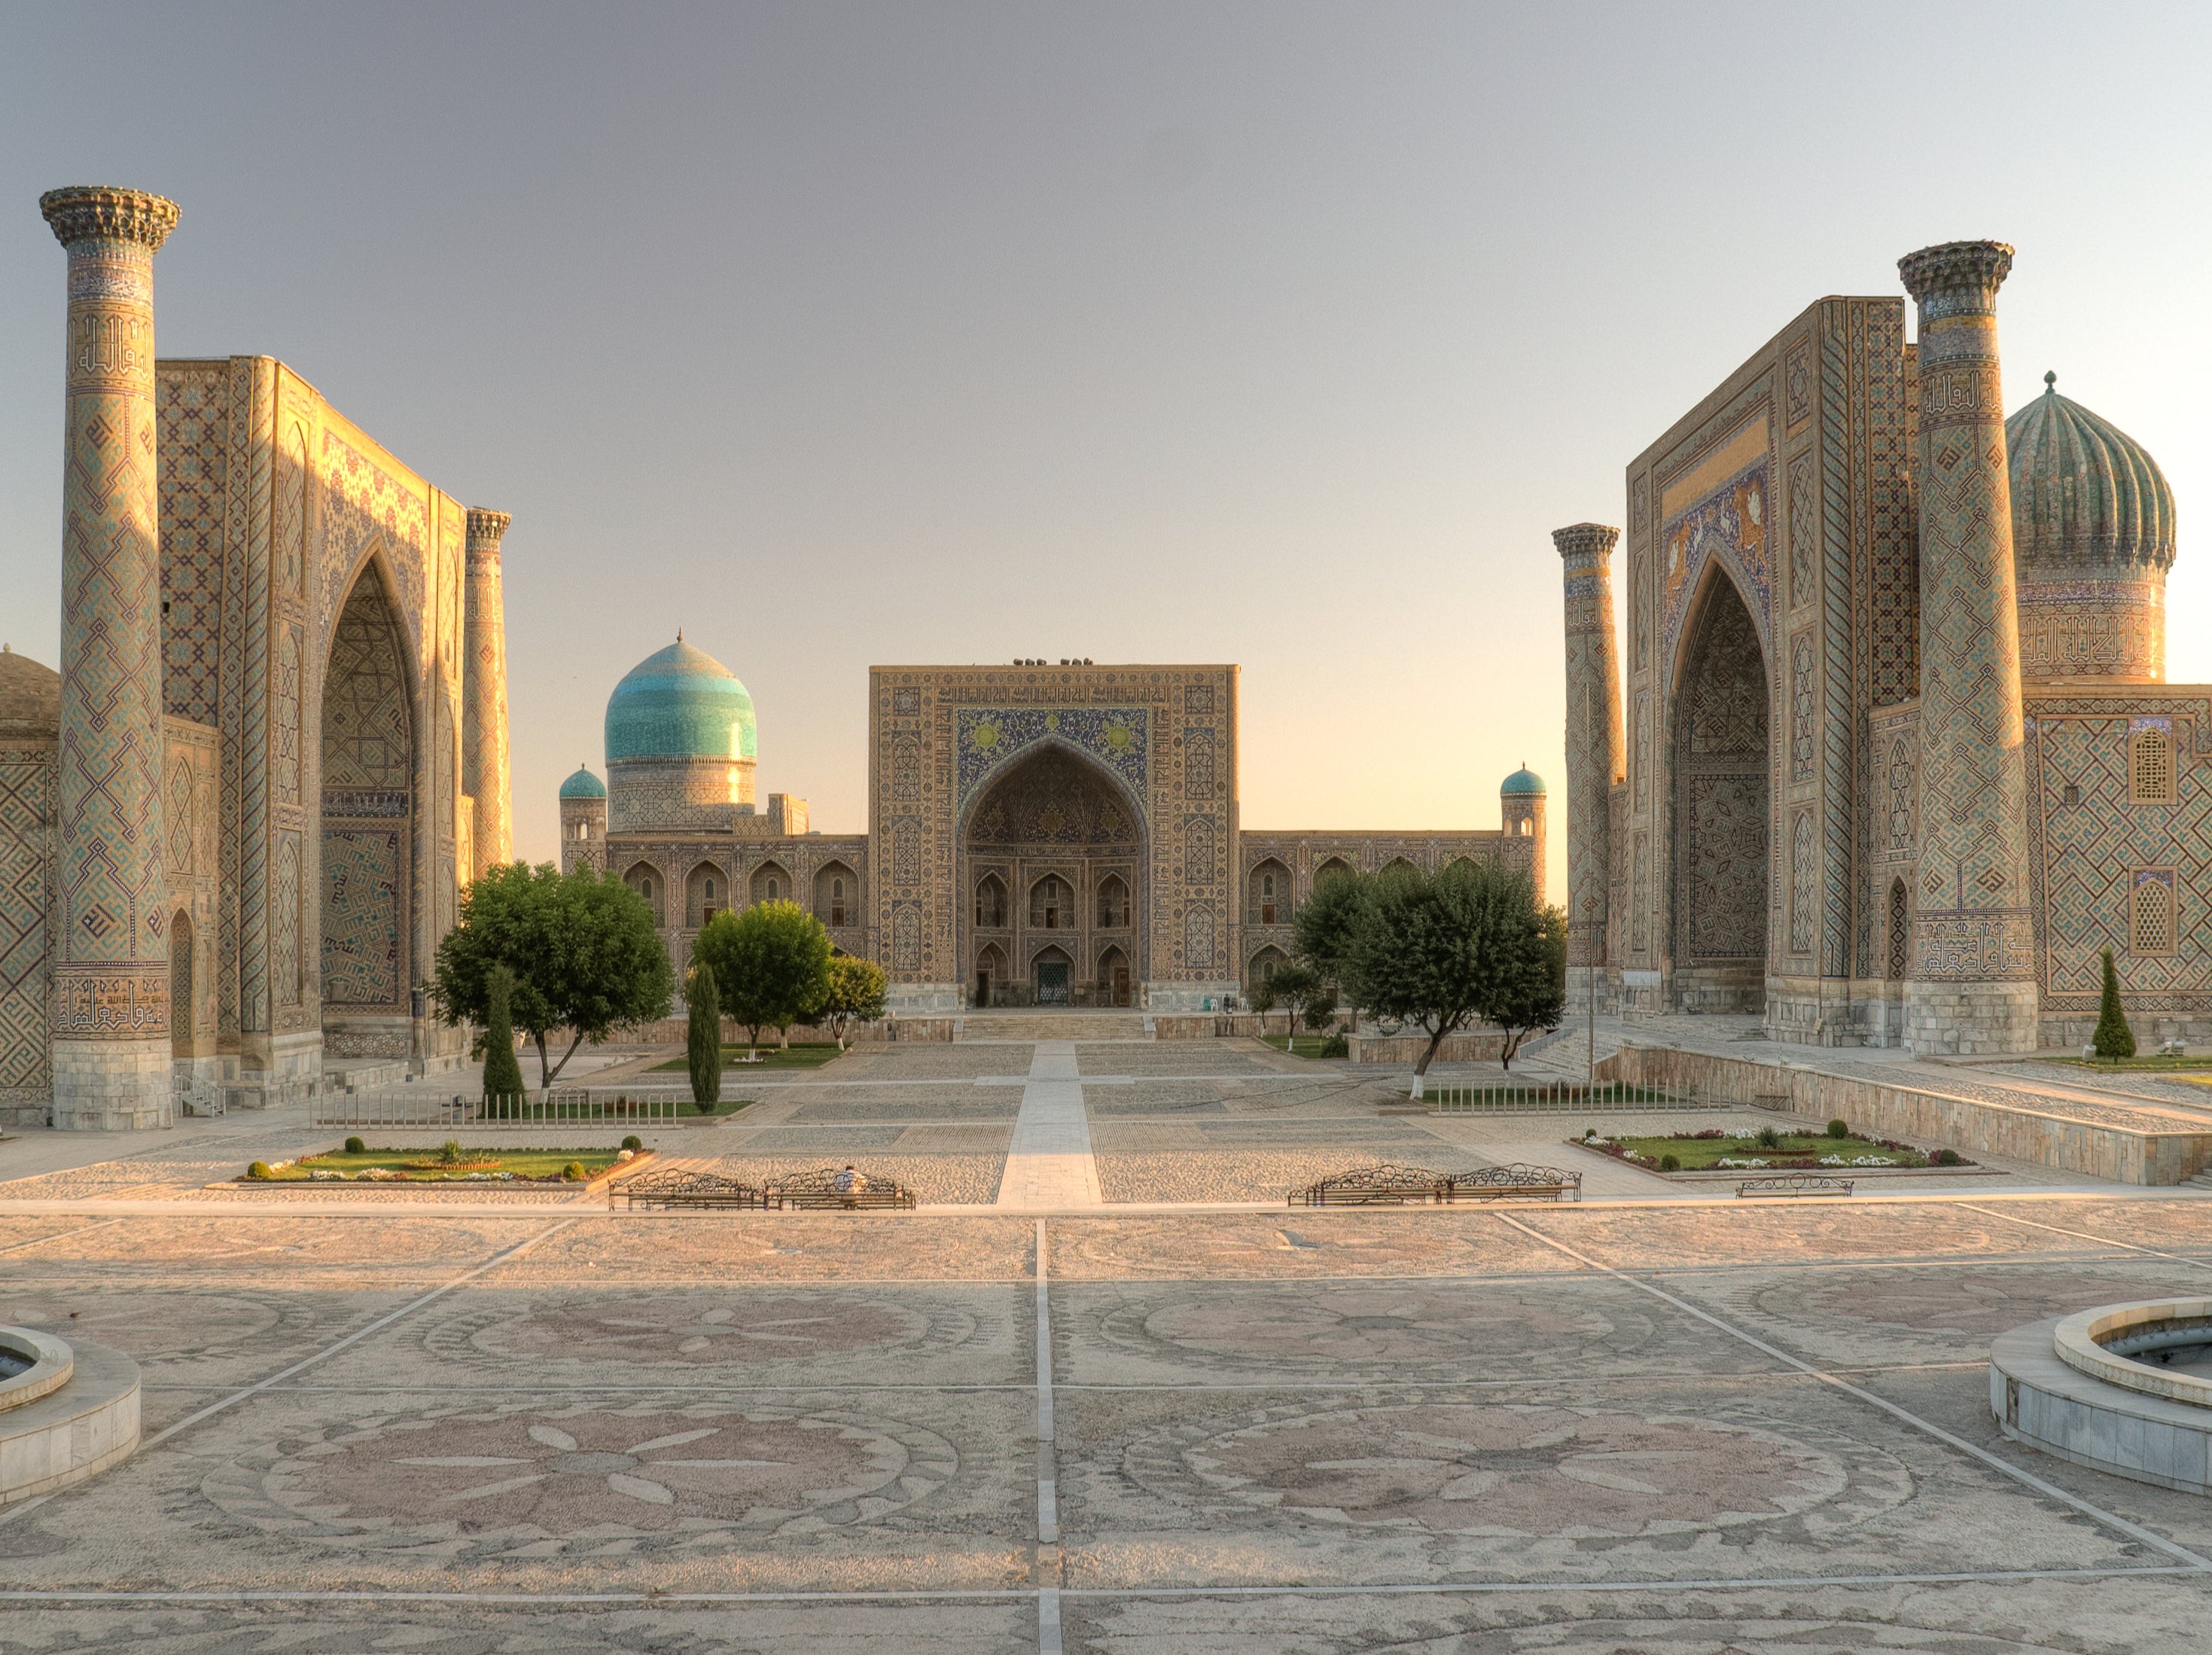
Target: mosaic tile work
(111, 967)
(1593, 734)
(1975, 928)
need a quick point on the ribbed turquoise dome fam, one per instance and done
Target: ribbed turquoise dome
(1521, 783)
(583, 785)
(2083, 490)
(680, 702)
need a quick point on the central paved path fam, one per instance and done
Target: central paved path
(1049, 1165)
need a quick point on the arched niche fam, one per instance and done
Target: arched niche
(1064, 839)
(1721, 765)
(1267, 893)
(368, 829)
(836, 895)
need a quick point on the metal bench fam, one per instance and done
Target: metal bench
(1795, 1184)
(676, 1190)
(817, 1191)
(1388, 1185)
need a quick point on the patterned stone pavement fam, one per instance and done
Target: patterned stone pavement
(1681, 1426)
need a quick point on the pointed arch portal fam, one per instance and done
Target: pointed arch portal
(1721, 768)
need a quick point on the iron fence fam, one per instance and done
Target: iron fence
(1554, 1098)
(524, 1111)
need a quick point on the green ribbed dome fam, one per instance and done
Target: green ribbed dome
(680, 702)
(1523, 782)
(2083, 490)
(583, 785)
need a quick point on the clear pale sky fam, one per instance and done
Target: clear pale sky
(1272, 334)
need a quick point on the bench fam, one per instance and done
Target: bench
(1388, 1185)
(673, 1190)
(1794, 1184)
(817, 1191)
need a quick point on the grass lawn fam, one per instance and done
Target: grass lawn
(1303, 1045)
(687, 1110)
(477, 1164)
(802, 1055)
(1792, 1151)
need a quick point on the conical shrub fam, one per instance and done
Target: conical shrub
(2113, 1038)
(702, 1036)
(502, 1074)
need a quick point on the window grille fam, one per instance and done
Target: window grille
(2150, 919)
(1901, 941)
(2150, 768)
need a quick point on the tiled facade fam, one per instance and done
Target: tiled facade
(1039, 834)
(302, 833)
(1816, 555)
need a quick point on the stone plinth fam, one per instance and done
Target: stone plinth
(111, 969)
(2055, 1386)
(71, 1411)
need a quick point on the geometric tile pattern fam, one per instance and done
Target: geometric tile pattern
(25, 825)
(195, 443)
(1973, 834)
(1593, 732)
(367, 831)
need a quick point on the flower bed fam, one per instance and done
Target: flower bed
(450, 1165)
(1765, 1151)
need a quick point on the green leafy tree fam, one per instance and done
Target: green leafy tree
(584, 950)
(1532, 994)
(2113, 1038)
(857, 989)
(1322, 930)
(1442, 951)
(703, 1034)
(502, 1073)
(1295, 985)
(1263, 998)
(772, 961)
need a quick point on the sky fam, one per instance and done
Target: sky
(1273, 333)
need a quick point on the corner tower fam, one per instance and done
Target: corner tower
(1972, 983)
(1594, 737)
(484, 701)
(583, 822)
(111, 965)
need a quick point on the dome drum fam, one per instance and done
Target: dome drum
(681, 745)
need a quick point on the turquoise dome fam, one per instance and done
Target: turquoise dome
(1523, 782)
(583, 785)
(680, 702)
(2083, 490)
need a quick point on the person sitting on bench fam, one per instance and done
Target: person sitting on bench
(849, 1183)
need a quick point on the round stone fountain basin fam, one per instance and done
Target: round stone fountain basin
(65, 1411)
(2123, 1388)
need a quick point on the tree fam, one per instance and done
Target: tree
(702, 1036)
(1264, 999)
(1322, 930)
(502, 1076)
(1532, 991)
(1441, 951)
(1295, 984)
(772, 961)
(2113, 1038)
(585, 955)
(856, 993)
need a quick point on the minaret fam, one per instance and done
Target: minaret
(1972, 987)
(111, 965)
(1594, 741)
(484, 698)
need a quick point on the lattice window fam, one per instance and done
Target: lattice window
(2150, 767)
(2151, 927)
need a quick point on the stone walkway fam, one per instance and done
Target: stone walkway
(1050, 1166)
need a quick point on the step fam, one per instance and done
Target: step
(1052, 1025)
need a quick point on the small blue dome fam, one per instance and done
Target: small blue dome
(583, 785)
(1523, 782)
(680, 702)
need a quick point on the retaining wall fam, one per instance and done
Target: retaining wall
(2103, 1141)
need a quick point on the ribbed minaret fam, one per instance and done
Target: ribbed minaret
(1972, 987)
(484, 698)
(1594, 740)
(111, 969)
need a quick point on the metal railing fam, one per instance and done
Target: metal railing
(1553, 1098)
(527, 1111)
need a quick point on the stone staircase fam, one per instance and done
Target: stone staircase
(2201, 1181)
(1052, 1025)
